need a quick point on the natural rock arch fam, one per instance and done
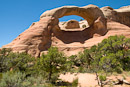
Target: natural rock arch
(38, 37)
(89, 13)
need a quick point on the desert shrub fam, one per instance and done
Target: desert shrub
(4, 60)
(20, 61)
(18, 79)
(82, 59)
(81, 19)
(15, 61)
(109, 63)
(74, 60)
(12, 80)
(111, 55)
(84, 26)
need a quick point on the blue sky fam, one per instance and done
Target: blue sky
(17, 15)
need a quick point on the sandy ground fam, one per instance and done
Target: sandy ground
(84, 80)
(89, 80)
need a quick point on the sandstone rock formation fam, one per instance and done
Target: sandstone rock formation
(34, 39)
(89, 12)
(47, 32)
(72, 24)
(121, 15)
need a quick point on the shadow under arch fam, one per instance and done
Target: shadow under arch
(68, 36)
(73, 36)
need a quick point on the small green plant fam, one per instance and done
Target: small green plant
(75, 82)
(102, 78)
(81, 19)
(84, 26)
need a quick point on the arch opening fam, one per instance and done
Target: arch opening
(72, 34)
(72, 22)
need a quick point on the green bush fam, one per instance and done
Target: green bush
(4, 60)
(111, 55)
(18, 79)
(12, 80)
(15, 61)
(20, 61)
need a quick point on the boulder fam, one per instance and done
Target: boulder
(72, 24)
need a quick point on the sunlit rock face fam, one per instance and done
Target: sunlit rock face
(69, 37)
(72, 24)
(34, 39)
(121, 15)
(89, 12)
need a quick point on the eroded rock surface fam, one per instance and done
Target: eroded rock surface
(35, 39)
(121, 15)
(46, 32)
(72, 24)
(89, 12)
